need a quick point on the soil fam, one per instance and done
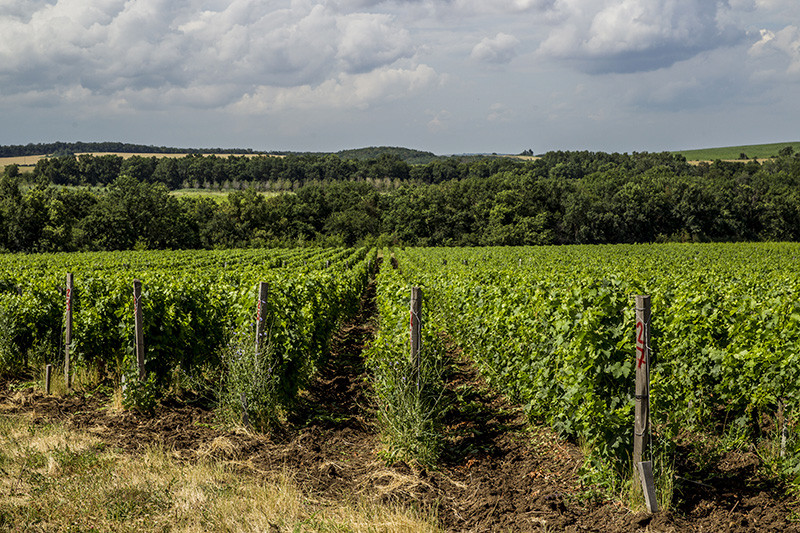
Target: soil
(498, 471)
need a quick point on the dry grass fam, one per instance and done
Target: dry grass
(23, 160)
(27, 162)
(54, 479)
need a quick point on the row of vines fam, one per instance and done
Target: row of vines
(553, 327)
(199, 317)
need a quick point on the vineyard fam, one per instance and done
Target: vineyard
(199, 311)
(552, 328)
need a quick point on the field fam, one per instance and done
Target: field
(732, 153)
(28, 162)
(517, 415)
(217, 196)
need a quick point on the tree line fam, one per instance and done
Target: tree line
(70, 148)
(561, 198)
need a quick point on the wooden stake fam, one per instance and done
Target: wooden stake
(261, 311)
(48, 371)
(68, 329)
(642, 410)
(415, 324)
(645, 469)
(782, 424)
(139, 327)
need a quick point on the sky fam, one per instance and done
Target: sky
(446, 76)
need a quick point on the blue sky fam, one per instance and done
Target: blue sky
(448, 76)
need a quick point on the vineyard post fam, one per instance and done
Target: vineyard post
(645, 470)
(642, 411)
(263, 290)
(415, 324)
(138, 327)
(68, 328)
(48, 371)
(641, 424)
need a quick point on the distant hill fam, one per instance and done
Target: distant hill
(410, 156)
(758, 151)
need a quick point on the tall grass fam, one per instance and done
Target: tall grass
(409, 398)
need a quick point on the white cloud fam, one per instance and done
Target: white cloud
(439, 122)
(369, 41)
(779, 51)
(346, 91)
(636, 35)
(161, 48)
(500, 49)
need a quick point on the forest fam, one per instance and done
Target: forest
(104, 202)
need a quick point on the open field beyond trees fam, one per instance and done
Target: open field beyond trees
(734, 153)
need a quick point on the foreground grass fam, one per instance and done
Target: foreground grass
(54, 479)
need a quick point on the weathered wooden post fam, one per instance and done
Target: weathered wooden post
(415, 324)
(138, 327)
(641, 424)
(263, 290)
(642, 411)
(48, 371)
(645, 470)
(68, 330)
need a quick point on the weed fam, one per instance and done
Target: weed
(250, 393)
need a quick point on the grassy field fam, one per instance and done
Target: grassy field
(759, 151)
(217, 196)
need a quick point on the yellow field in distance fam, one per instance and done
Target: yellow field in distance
(27, 162)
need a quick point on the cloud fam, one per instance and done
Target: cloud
(439, 122)
(160, 49)
(368, 41)
(499, 113)
(779, 51)
(603, 36)
(500, 49)
(346, 91)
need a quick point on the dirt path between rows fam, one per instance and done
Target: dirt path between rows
(497, 473)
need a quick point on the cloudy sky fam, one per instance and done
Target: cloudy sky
(449, 76)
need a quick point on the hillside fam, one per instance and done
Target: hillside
(409, 155)
(757, 151)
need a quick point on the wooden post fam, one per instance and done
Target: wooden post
(139, 327)
(263, 290)
(641, 423)
(645, 469)
(68, 329)
(782, 423)
(415, 324)
(48, 371)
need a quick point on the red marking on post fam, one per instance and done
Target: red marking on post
(258, 312)
(69, 298)
(640, 343)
